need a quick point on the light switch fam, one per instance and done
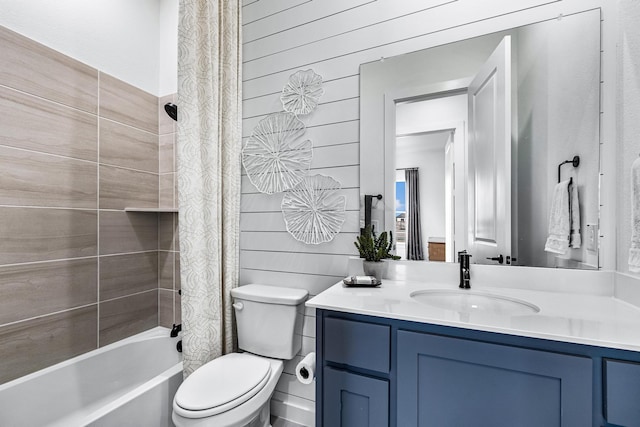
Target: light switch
(592, 237)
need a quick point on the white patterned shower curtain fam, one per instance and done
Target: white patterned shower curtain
(208, 150)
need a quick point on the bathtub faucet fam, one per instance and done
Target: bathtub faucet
(175, 330)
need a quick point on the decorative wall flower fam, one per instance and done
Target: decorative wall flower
(313, 210)
(274, 157)
(302, 92)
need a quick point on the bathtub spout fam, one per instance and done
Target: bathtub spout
(175, 330)
(179, 346)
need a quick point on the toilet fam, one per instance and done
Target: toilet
(235, 390)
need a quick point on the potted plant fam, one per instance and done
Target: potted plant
(374, 250)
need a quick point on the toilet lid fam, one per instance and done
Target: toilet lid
(223, 383)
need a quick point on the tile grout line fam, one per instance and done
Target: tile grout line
(98, 218)
(80, 110)
(94, 114)
(131, 295)
(44, 153)
(159, 109)
(174, 230)
(22, 264)
(128, 168)
(174, 218)
(28, 319)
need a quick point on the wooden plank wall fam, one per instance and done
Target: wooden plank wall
(333, 37)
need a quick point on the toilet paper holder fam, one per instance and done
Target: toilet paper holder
(305, 370)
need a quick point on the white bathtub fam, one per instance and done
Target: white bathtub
(127, 383)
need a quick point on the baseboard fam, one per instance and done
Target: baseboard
(292, 408)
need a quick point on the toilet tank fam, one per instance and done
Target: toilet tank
(269, 319)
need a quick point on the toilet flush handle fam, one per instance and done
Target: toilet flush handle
(238, 306)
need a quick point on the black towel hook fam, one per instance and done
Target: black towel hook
(575, 162)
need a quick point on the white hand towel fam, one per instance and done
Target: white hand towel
(575, 241)
(559, 220)
(634, 251)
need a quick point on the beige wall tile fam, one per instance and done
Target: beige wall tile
(177, 308)
(121, 188)
(37, 289)
(165, 309)
(123, 317)
(33, 179)
(36, 124)
(165, 123)
(176, 282)
(35, 234)
(127, 104)
(165, 199)
(167, 157)
(122, 232)
(166, 263)
(127, 274)
(126, 146)
(176, 236)
(37, 343)
(176, 205)
(31, 67)
(166, 231)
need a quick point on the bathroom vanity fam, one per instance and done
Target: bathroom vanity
(423, 353)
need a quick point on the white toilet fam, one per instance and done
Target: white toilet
(234, 390)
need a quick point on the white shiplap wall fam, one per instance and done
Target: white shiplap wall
(334, 37)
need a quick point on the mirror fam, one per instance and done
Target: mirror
(485, 129)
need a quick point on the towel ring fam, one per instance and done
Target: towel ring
(575, 162)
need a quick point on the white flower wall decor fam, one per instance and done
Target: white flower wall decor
(301, 94)
(275, 157)
(313, 210)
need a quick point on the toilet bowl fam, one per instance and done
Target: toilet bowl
(232, 391)
(235, 390)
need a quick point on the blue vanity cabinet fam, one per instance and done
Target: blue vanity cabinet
(374, 371)
(455, 382)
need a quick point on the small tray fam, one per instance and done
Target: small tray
(349, 283)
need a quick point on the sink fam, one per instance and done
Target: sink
(473, 301)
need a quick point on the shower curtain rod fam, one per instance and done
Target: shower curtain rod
(407, 169)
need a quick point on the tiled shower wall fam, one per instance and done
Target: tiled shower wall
(77, 146)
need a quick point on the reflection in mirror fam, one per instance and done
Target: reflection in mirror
(470, 135)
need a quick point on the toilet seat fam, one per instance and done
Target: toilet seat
(221, 385)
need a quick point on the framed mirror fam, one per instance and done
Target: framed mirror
(467, 142)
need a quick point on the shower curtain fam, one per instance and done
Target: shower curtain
(208, 151)
(414, 229)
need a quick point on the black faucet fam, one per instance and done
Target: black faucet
(465, 272)
(175, 330)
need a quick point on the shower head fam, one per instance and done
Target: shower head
(172, 110)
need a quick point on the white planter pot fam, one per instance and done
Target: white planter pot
(378, 269)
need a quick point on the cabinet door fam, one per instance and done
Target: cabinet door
(352, 400)
(455, 382)
(622, 393)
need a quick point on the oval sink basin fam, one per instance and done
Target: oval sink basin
(473, 301)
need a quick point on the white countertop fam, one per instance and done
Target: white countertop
(592, 319)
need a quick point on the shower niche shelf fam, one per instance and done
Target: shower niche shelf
(151, 210)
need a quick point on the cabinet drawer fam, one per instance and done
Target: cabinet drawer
(622, 388)
(358, 344)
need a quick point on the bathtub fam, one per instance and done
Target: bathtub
(127, 383)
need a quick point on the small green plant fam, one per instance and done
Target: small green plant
(375, 248)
